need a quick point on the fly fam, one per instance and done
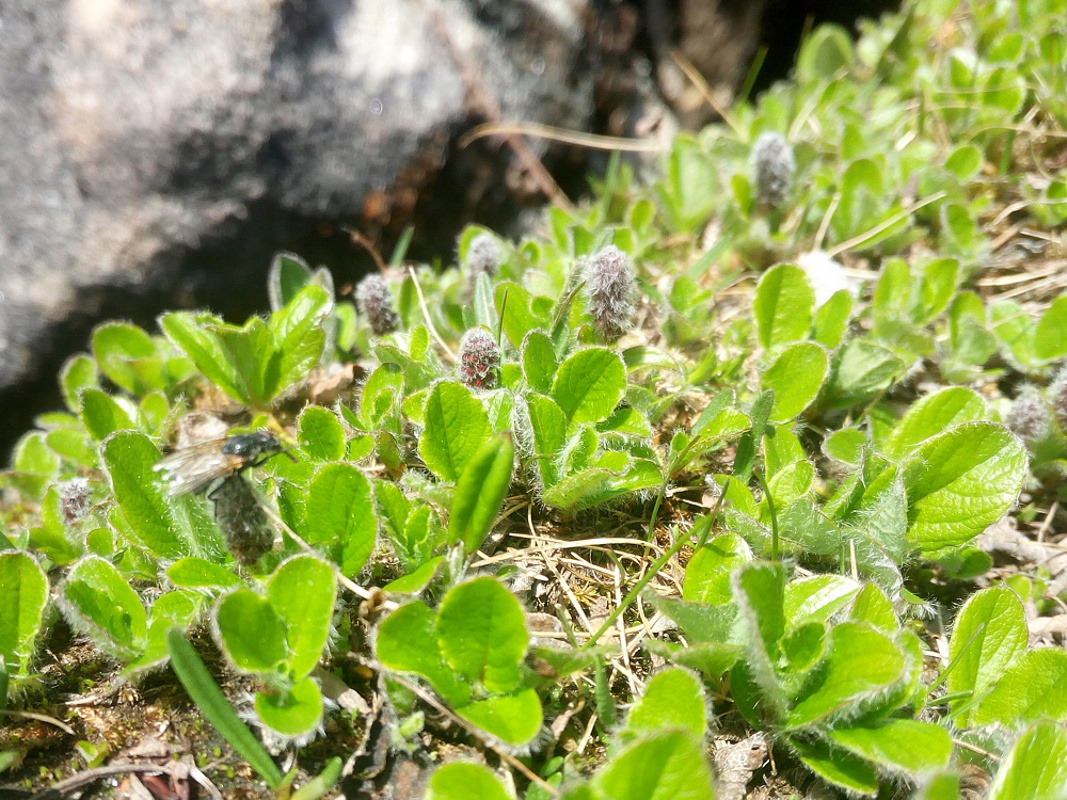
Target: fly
(195, 468)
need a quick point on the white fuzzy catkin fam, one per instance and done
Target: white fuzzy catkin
(773, 166)
(484, 255)
(610, 290)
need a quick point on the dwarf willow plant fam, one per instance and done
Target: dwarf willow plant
(688, 349)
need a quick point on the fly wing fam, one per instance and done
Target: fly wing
(193, 469)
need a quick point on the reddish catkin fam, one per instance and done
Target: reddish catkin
(610, 290)
(375, 302)
(479, 359)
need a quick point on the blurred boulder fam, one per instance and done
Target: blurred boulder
(157, 152)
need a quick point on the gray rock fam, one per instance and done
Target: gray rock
(152, 151)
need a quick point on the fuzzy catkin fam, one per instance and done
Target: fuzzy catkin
(479, 359)
(610, 290)
(773, 166)
(1030, 417)
(1056, 394)
(375, 301)
(74, 499)
(484, 256)
(242, 520)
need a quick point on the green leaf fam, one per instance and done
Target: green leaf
(748, 446)
(817, 597)
(100, 603)
(838, 767)
(620, 475)
(845, 445)
(456, 426)
(795, 377)
(897, 744)
(1032, 688)
(480, 493)
(538, 361)
(302, 592)
(961, 481)
(192, 572)
(175, 609)
(790, 483)
(711, 659)
(463, 781)
(340, 512)
(78, 372)
(831, 319)
(515, 719)
(931, 415)
(1036, 767)
(299, 335)
(702, 623)
(252, 633)
(193, 334)
(418, 538)
(938, 786)
(707, 575)
(873, 607)
(209, 699)
(861, 369)
(589, 384)
(939, 282)
(1014, 327)
(783, 306)
(294, 712)
(482, 633)
(989, 633)
(23, 596)
(674, 698)
(1050, 337)
(691, 186)
(255, 357)
(549, 434)
(128, 356)
(415, 581)
(972, 342)
(167, 528)
(320, 434)
(825, 53)
(407, 642)
(965, 161)
(520, 315)
(758, 589)
(860, 664)
(102, 414)
(666, 765)
(288, 274)
(381, 396)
